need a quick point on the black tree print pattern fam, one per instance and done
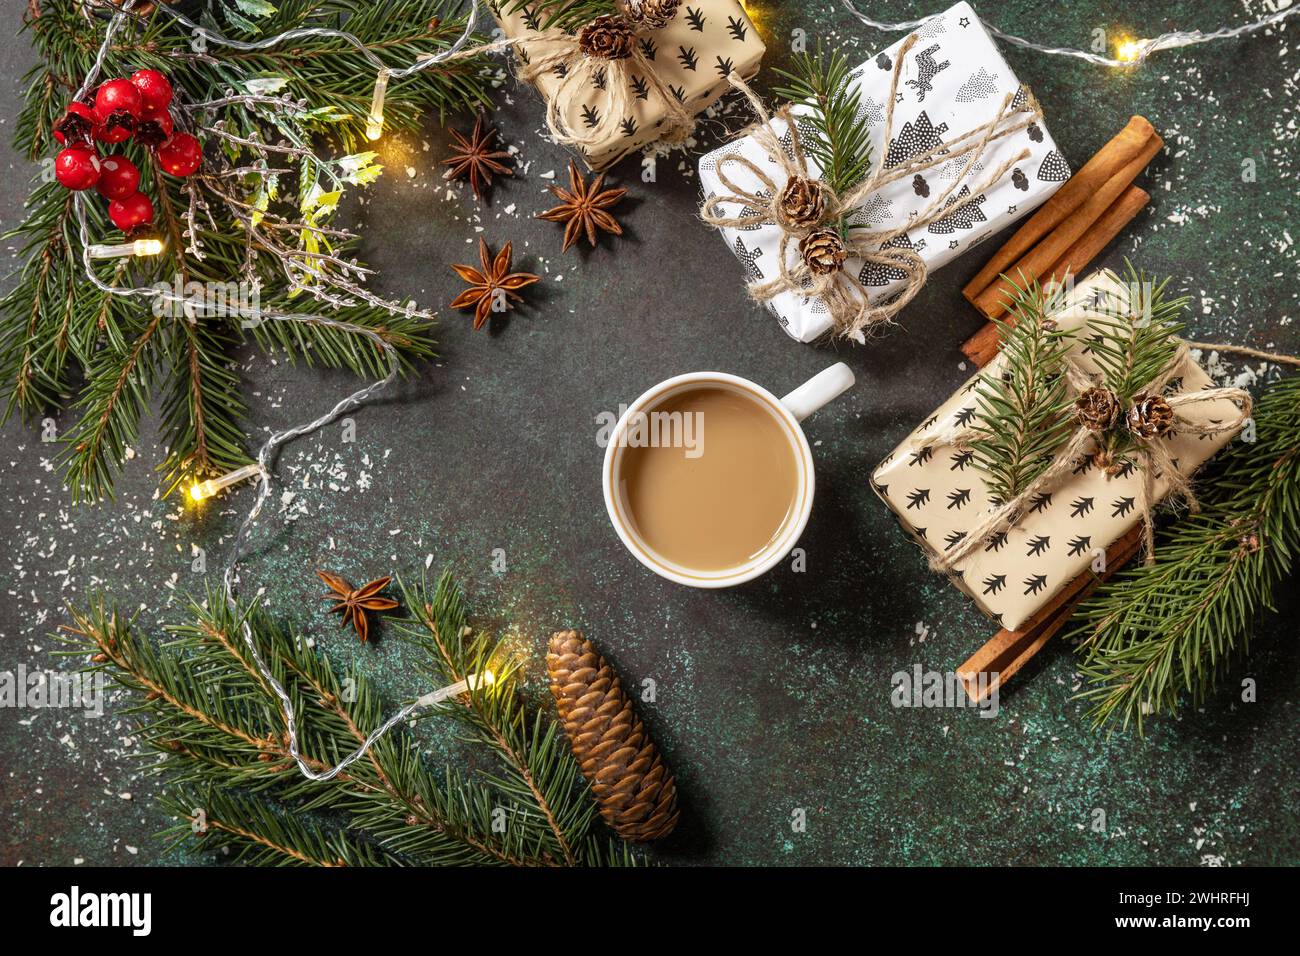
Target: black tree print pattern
(966, 213)
(927, 69)
(1054, 168)
(980, 86)
(747, 257)
(753, 211)
(916, 138)
(876, 211)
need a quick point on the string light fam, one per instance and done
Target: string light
(209, 488)
(375, 121)
(120, 250)
(484, 678)
(261, 470)
(1129, 53)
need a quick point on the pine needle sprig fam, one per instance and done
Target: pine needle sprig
(841, 144)
(539, 771)
(567, 15)
(1134, 333)
(257, 216)
(1162, 633)
(1023, 403)
(219, 746)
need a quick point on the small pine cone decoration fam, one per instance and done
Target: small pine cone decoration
(1150, 417)
(652, 14)
(1097, 409)
(608, 37)
(636, 793)
(823, 252)
(802, 202)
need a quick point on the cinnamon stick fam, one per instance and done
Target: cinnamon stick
(1115, 155)
(1008, 651)
(983, 345)
(994, 300)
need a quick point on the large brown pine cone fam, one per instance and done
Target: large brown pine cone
(823, 252)
(1150, 417)
(608, 37)
(802, 202)
(1097, 409)
(636, 793)
(652, 14)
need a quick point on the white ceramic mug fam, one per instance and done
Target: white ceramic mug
(788, 412)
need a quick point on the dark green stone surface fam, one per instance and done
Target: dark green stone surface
(773, 697)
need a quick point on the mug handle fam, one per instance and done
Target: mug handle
(826, 385)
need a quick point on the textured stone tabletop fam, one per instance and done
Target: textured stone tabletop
(773, 697)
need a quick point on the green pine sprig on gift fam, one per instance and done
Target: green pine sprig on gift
(261, 213)
(1024, 401)
(1133, 337)
(1159, 635)
(567, 15)
(218, 743)
(841, 144)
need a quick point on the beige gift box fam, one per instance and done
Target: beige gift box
(938, 493)
(691, 56)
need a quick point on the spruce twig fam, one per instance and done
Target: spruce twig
(841, 146)
(567, 15)
(1156, 633)
(1023, 405)
(256, 217)
(202, 706)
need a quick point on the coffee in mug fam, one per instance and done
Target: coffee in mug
(708, 477)
(719, 492)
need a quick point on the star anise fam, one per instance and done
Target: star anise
(475, 159)
(583, 207)
(491, 289)
(353, 603)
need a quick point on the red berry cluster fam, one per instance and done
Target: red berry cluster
(123, 109)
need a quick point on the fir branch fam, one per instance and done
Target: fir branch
(257, 216)
(1023, 401)
(261, 835)
(541, 774)
(204, 708)
(842, 144)
(567, 15)
(1156, 633)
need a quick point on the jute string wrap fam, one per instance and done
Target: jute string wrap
(554, 48)
(846, 300)
(1153, 457)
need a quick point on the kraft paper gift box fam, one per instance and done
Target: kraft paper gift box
(691, 56)
(938, 493)
(953, 81)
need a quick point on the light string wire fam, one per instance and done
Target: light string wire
(1140, 49)
(192, 310)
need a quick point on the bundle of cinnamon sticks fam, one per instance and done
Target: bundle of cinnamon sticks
(1068, 231)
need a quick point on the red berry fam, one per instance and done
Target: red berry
(181, 155)
(117, 106)
(77, 125)
(131, 213)
(118, 177)
(154, 128)
(155, 89)
(77, 168)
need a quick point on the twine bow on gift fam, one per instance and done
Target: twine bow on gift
(602, 54)
(806, 209)
(1151, 418)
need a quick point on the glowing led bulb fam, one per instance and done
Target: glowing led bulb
(1129, 50)
(139, 247)
(375, 121)
(206, 489)
(484, 678)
